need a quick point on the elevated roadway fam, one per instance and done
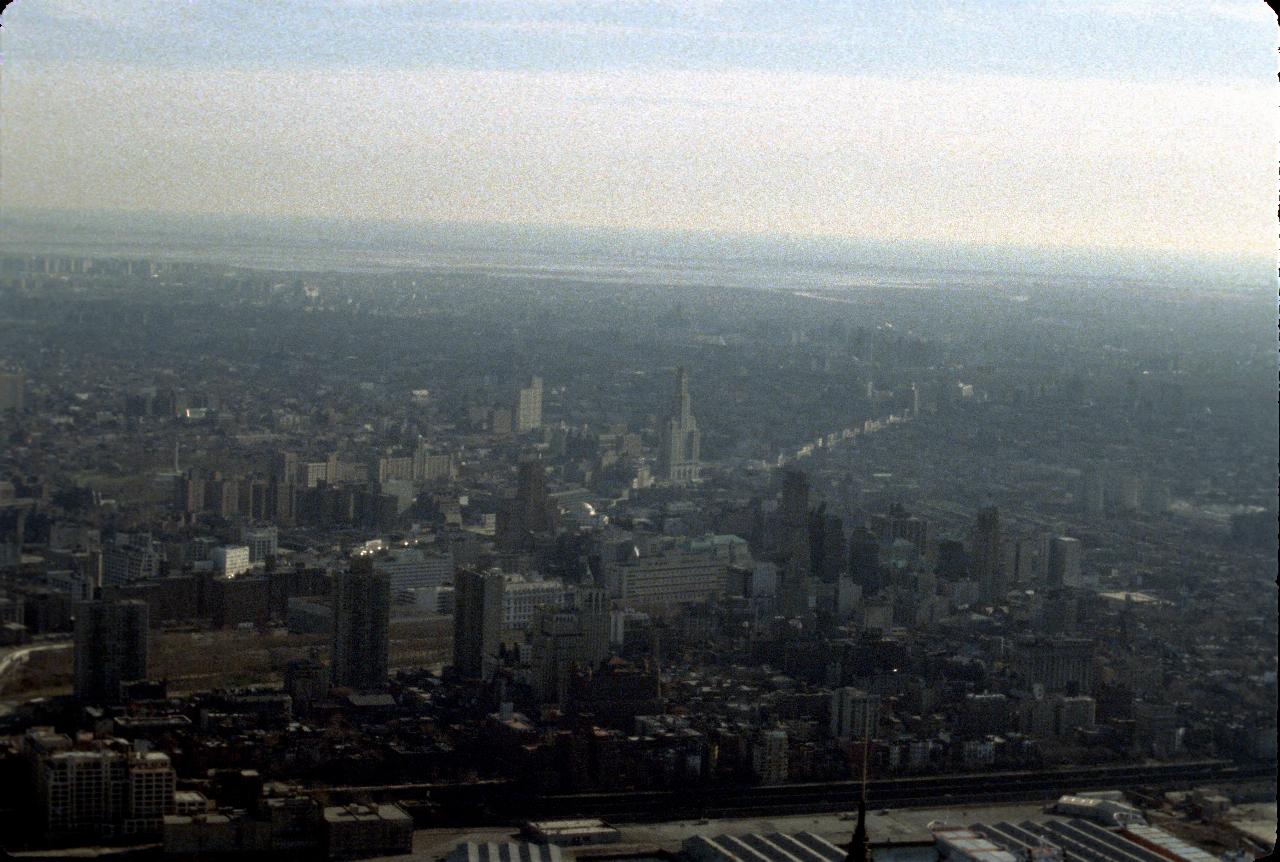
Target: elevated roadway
(496, 803)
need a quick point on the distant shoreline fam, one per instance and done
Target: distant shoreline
(601, 255)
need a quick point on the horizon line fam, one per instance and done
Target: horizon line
(1058, 261)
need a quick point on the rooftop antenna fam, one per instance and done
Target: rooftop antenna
(859, 847)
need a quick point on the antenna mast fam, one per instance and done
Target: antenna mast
(860, 847)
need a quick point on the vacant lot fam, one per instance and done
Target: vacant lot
(42, 673)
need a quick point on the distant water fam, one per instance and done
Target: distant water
(298, 255)
(534, 253)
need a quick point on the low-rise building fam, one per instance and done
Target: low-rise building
(359, 831)
(571, 833)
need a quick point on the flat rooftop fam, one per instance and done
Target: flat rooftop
(896, 826)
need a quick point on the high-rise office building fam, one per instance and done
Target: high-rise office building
(1023, 563)
(391, 468)
(500, 422)
(431, 466)
(312, 473)
(255, 499)
(528, 407)
(898, 523)
(987, 566)
(1156, 730)
(152, 783)
(794, 511)
(222, 496)
(282, 489)
(361, 627)
(1128, 492)
(985, 713)
(795, 557)
(864, 561)
(769, 757)
(827, 547)
(13, 386)
(131, 557)
(477, 622)
(1071, 713)
(262, 542)
(1093, 490)
(593, 606)
(855, 714)
(190, 493)
(523, 598)
(537, 512)
(558, 648)
(666, 577)
(231, 560)
(110, 648)
(530, 512)
(1058, 664)
(952, 561)
(306, 682)
(1063, 567)
(679, 452)
(284, 467)
(414, 569)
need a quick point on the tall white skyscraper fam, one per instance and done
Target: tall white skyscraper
(528, 412)
(679, 454)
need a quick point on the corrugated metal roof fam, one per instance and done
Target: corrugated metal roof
(1091, 841)
(738, 850)
(504, 851)
(756, 847)
(807, 852)
(820, 845)
(968, 844)
(1172, 843)
(770, 848)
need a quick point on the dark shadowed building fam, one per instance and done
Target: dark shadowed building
(110, 649)
(361, 627)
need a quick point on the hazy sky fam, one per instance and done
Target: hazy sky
(1126, 124)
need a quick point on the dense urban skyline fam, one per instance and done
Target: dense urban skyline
(586, 431)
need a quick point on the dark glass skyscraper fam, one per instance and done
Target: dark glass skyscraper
(110, 650)
(477, 621)
(361, 627)
(793, 585)
(987, 566)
